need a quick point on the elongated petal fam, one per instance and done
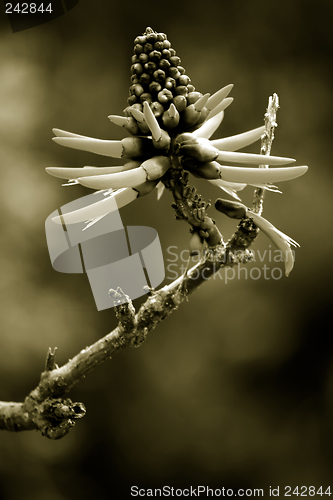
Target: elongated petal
(218, 97)
(260, 175)
(100, 208)
(229, 187)
(128, 123)
(98, 146)
(201, 102)
(172, 111)
(208, 128)
(236, 186)
(121, 121)
(152, 122)
(76, 172)
(281, 240)
(63, 133)
(239, 141)
(150, 170)
(138, 115)
(221, 107)
(252, 159)
(129, 178)
(160, 190)
(131, 164)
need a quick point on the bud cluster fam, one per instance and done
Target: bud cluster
(159, 79)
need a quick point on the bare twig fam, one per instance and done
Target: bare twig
(266, 146)
(247, 231)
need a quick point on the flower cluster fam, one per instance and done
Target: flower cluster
(170, 126)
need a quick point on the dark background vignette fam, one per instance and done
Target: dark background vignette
(237, 388)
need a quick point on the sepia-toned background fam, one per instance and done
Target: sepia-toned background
(235, 389)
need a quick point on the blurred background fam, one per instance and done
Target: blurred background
(235, 389)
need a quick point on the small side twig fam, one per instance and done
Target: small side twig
(247, 231)
(266, 146)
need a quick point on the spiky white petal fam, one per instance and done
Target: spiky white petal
(152, 122)
(259, 176)
(208, 127)
(239, 141)
(280, 240)
(100, 208)
(251, 159)
(218, 97)
(129, 178)
(76, 172)
(221, 107)
(160, 190)
(229, 187)
(98, 146)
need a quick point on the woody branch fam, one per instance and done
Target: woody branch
(47, 408)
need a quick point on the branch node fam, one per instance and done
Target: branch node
(62, 409)
(50, 363)
(124, 310)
